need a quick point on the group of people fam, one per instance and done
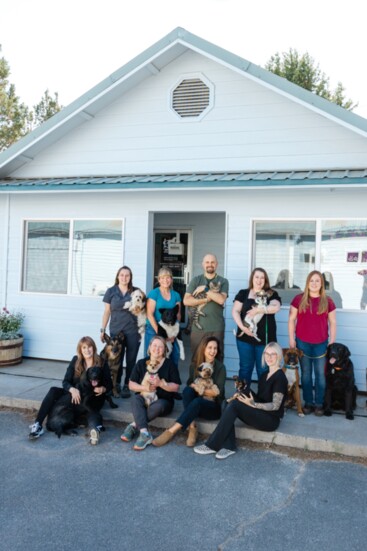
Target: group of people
(312, 326)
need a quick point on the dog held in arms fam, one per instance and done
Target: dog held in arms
(150, 377)
(341, 391)
(65, 416)
(261, 300)
(242, 388)
(204, 381)
(137, 307)
(169, 327)
(291, 369)
(112, 353)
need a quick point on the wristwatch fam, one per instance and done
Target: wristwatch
(102, 330)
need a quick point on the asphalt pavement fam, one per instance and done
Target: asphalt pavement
(24, 386)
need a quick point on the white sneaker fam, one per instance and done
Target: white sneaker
(203, 450)
(223, 453)
(94, 436)
(36, 431)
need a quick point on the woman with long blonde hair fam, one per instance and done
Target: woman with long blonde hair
(311, 327)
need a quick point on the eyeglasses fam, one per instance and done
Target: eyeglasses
(270, 354)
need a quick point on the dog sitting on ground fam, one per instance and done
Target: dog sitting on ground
(242, 388)
(341, 391)
(204, 381)
(261, 300)
(169, 327)
(291, 369)
(112, 354)
(150, 377)
(65, 416)
(137, 307)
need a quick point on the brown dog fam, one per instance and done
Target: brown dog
(291, 368)
(112, 353)
(242, 388)
(205, 382)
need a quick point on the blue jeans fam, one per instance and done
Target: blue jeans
(149, 334)
(196, 406)
(313, 363)
(249, 355)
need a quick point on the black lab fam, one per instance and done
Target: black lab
(341, 391)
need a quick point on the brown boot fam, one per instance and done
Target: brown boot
(192, 437)
(163, 439)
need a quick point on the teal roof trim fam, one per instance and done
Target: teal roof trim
(329, 178)
(189, 40)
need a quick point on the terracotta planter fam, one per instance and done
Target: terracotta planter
(11, 351)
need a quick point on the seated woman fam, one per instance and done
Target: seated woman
(86, 357)
(262, 411)
(207, 406)
(165, 384)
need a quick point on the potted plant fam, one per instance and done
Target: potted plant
(11, 340)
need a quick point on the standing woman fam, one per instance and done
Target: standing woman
(162, 296)
(208, 406)
(311, 316)
(86, 357)
(121, 319)
(262, 411)
(250, 350)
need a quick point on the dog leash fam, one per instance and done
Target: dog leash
(315, 357)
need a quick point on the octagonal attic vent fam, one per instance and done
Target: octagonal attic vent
(191, 97)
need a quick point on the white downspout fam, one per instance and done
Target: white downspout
(5, 248)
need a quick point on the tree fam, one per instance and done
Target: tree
(302, 70)
(16, 119)
(14, 115)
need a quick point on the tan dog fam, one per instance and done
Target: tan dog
(291, 368)
(137, 307)
(150, 377)
(204, 381)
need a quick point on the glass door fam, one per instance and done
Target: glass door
(173, 248)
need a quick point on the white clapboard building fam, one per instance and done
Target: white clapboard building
(186, 149)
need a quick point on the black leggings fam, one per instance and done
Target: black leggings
(224, 434)
(54, 394)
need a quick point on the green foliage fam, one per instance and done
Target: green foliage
(10, 324)
(16, 119)
(302, 70)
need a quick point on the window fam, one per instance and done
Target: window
(289, 250)
(77, 257)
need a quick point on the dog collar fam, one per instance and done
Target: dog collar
(292, 366)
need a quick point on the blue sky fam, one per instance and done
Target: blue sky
(69, 46)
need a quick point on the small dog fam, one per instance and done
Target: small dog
(341, 391)
(149, 378)
(205, 382)
(196, 311)
(251, 323)
(242, 388)
(137, 307)
(169, 327)
(112, 353)
(291, 369)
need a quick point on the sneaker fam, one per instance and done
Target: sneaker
(125, 392)
(36, 430)
(203, 450)
(223, 453)
(94, 436)
(143, 441)
(129, 433)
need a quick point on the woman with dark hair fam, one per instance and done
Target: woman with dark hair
(311, 315)
(86, 357)
(121, 319)
(165, 384)
(250, 349)
(262, 411)
(209, 405)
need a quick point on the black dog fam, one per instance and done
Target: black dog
(341, 391)
(169, 327)
(242, 388)
(65, 416)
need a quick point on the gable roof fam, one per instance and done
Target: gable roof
(149, 62)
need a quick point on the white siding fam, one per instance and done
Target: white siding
(249, 128)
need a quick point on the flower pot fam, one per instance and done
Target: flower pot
(11, 351)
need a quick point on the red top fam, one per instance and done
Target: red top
(312, 327)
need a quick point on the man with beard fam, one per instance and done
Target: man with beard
(199, 293)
